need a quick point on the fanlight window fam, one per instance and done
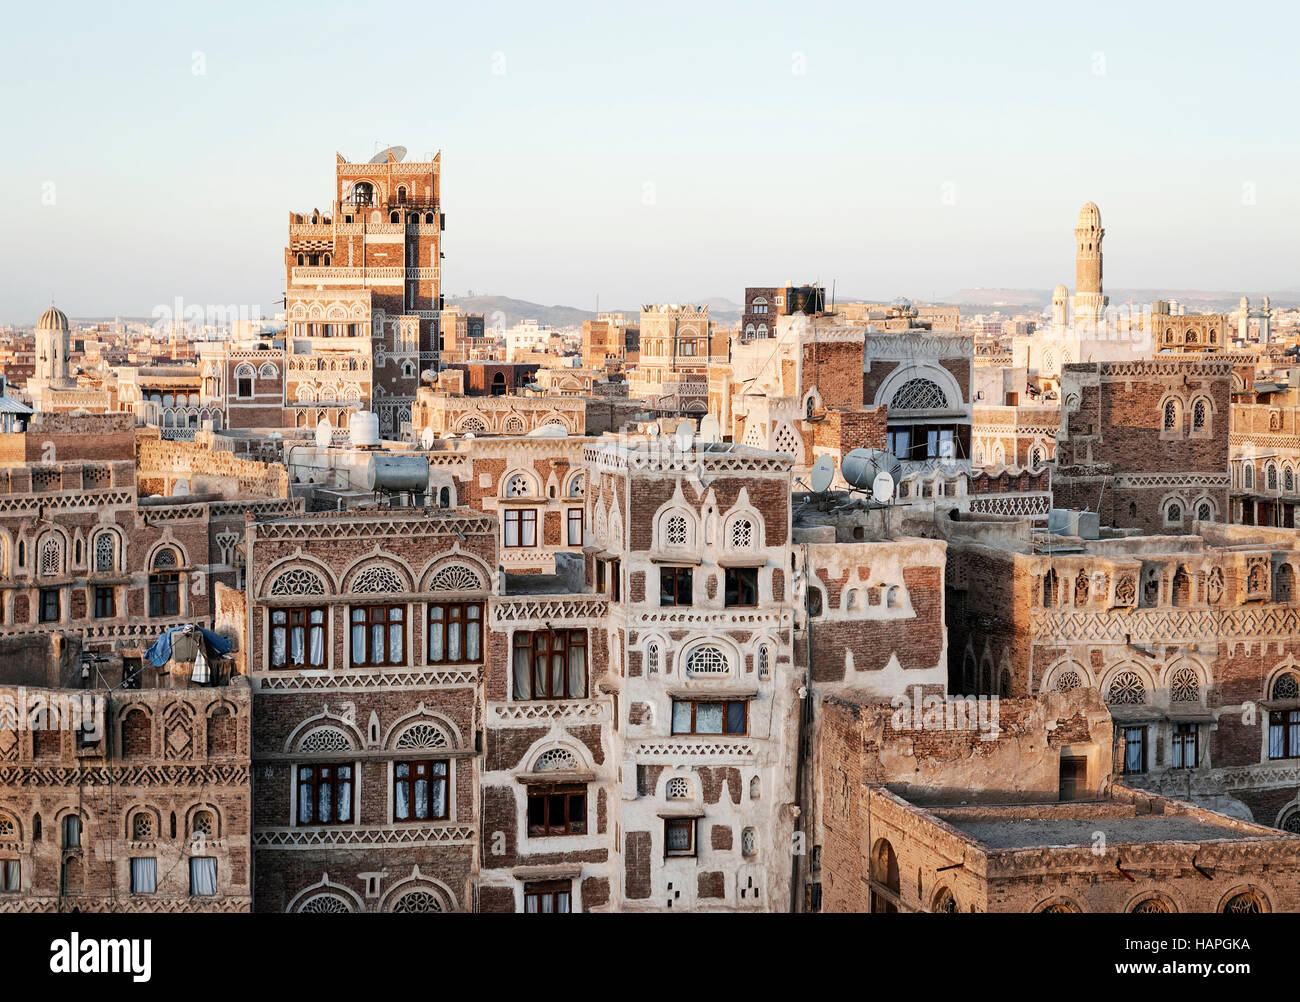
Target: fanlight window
(675, 533)
(422, 736)
(1244, 903)
(380, 579)
(1199, 415)
(678, 789)
(325, 904)
(298, 581)
(325, 739)
(578, 486)
(1067, 681)
(919, 394)
(418, 902)
(1185, 687)
(1287, 687)
(556, 760)
(707, 661)
(455, 577)
(1171, 415)
(165, 558)
(519, 486)
(1127, 688)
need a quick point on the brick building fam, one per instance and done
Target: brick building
(1145, 443)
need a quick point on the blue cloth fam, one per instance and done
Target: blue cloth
(160, 652)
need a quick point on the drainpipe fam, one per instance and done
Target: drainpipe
(802, 734)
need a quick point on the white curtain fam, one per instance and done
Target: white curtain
(203, 875)
(144, 876)
(317, 643)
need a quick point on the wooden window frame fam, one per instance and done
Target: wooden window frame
(573, 519)
(670, 586)
(104, 596)
(430, 775)
(164, 593)
(315, 782)
(46, 598)
(1287, 720)
(540, 656)
(522, 518)
(739, 575)
(1143, 732)
(461, 619)
(680, 824)
(1178, 745)
(549, 890)
(368, 622)
(547, 795)
(307, 626)
(726, 704)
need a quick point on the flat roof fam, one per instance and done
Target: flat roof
(1029, 833)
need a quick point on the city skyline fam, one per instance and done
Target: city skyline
(875, 157)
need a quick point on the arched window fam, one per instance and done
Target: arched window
(884, 875)
(136, 736)
(944, 902)
(741, 536)
(919, 394)
(676, 530)
(1185, 686)
(652, 659)
(1270, 476)
(1248, 474)
(1286, 686)
(325, 904)
(51, 557)
(1288, 480)
(1067, 681)
(520, 485)
(1200, 415)
(165, 583)
(707, 660)
(1204, 512)
(298, 581)
(1049, 589)
(1284, 584)
(142, 827)
(1171, 415)
(1127, 688)
(418, 902)
(1247, 902)
(106, 552)
(1173, 513)
(678, 788)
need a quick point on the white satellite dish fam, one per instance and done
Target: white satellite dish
(684, 436)
(652, 429)
(823, 472)
(882, 488)
(398, 152)
(427, 437)
(324, 433)
(710, 429)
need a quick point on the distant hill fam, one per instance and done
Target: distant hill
(512, 311)
(1196, 300)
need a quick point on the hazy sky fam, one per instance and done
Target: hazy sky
(653, 151)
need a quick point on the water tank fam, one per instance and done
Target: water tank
(363, 428)
(860, 467)
(397, 473)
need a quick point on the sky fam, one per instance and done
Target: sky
(652, 152)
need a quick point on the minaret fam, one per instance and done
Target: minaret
(53, 340)
(1088, 299)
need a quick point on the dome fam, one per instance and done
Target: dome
(1089, 216)
(53, 319)
(902, 303)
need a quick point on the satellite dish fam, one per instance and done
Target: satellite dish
(324, 433)
(653, 429)
(684, 436)
(398, 152)
(860, 466)
(427, 437)
(710, 429)
(823, 472)
(882, 488)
